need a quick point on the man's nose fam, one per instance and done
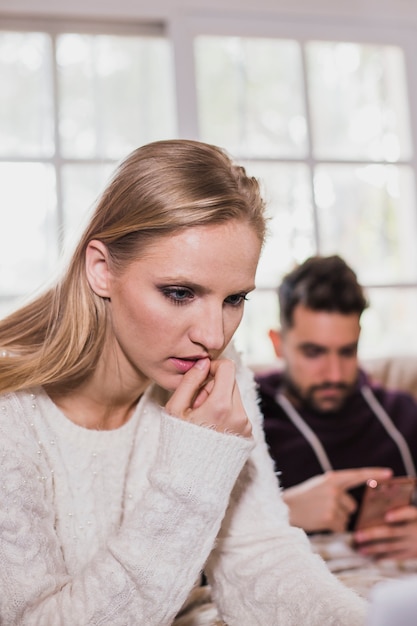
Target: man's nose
(334, 369)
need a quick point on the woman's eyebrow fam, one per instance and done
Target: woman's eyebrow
(197, 287)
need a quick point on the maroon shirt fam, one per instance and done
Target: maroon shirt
(351, 437)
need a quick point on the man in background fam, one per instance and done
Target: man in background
(328, 428)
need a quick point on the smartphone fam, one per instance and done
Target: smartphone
(382, 496)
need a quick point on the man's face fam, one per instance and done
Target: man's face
(320, 353)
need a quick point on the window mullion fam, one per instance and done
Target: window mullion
(185, 79)
(310, 158)
(57, 156)
(410, 51)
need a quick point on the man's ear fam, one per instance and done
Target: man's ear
(276, 339)
(97, 268)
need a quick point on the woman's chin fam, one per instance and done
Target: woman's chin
(169, 382)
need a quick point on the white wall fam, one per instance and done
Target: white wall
(398, 11)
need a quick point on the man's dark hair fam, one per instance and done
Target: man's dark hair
(320, 284)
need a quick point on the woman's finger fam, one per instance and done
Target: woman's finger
(223, 373)
(223, 409)
(184, 396)
(209, 396)
(203, 393)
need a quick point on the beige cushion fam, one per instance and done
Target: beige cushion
(396, 372)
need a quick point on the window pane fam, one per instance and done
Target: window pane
(389, 324)
(28, 229)
(7, 305)
(116, 94)
(358, 101)
(368, 215)
(261, 314)
(81, 187)
(250, 95)
(286, 190)
(390, 308)
(26, 120)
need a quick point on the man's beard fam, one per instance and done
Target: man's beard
(307, 400)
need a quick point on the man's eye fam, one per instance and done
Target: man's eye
(349, 353)
(179, 295)
(236, 299)
(312, 353)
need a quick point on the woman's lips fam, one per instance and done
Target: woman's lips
(183, 365)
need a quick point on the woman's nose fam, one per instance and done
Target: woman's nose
(208, 328)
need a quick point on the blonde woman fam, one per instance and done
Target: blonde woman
(131, 449)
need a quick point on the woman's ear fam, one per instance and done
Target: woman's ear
(97, 268)
(276, 339)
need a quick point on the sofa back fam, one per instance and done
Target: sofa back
(396, 372)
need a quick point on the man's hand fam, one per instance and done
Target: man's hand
(396, 539)
(322, 503)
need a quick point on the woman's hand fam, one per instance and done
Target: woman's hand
(208, 395)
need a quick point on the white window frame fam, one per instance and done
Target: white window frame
(54, 28)
(181, 31)
(184, 30)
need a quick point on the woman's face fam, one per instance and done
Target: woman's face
(181, 301)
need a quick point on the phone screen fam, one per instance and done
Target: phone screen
(382, 496)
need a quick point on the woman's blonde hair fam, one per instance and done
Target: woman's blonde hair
(160, 188)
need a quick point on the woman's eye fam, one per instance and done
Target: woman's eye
(236, 299)
(178, 295)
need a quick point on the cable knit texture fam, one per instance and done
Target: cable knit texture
(113, 528)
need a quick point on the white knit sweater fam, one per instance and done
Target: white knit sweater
(113, 527)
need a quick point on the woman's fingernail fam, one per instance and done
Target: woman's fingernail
(201, 364)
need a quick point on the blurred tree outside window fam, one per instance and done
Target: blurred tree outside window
(325, 126)
(72, 106)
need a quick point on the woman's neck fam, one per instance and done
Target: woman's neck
(95, 405)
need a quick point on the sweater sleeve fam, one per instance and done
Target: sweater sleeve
(149, 565)
(262, 570)
(205, 502)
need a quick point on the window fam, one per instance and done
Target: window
(75, 104)
(322, 114)
(325, 125)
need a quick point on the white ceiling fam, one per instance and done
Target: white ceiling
(380, 10)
